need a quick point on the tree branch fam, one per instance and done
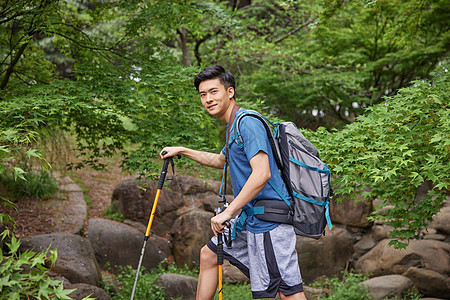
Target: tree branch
(201, 41)
(13, 63)
(293, 31)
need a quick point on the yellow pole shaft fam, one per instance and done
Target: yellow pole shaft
(152, 215)
(220, 283)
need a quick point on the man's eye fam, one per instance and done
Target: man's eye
(214, 92)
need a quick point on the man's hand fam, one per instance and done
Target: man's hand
(204, 158)
(218, 222)
(170, 152)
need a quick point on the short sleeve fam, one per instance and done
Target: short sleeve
(254, 135)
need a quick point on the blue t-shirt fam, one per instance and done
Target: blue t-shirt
(255, 139)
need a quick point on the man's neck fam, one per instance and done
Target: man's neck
(227, 116)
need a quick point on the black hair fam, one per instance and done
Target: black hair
(215, 72)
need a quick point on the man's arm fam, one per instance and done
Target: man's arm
(205, 158)
(255, 183)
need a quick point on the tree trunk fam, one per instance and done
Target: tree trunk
(182, 41)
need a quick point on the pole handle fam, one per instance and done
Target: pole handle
(219, 249)
(162, 177)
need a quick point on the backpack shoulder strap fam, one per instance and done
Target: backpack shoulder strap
(230, 123)
(237, 136)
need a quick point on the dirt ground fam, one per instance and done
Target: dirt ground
(35, 216)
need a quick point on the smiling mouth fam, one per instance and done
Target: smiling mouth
(212, 106)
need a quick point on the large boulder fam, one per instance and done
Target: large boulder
(385, 260)
(189, 234)
(76, 259)
(441, 221)
(178, 286)
(326, 256)
(117, 244)
(364, 245)
(136, 203)
(83, 290)
(232, 274)
(421, 258)
(352, 212)
(388, 286)
(429, 282)
(179, 196)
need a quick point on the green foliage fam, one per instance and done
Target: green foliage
(37, 185)
(24, 275)
(412, 295)
(235, 291)
(349, 287)
(317, 63)
(114, 214)
(145, 289)
(393, 149)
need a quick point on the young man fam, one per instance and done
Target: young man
(263, 251)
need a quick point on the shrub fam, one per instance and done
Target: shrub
(37, 185)
(113, 214)
(348, 288)
(23, 275)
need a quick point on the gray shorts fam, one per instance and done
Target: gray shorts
(269, 259)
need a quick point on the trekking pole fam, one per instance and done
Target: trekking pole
(220, 238)
(220, 235)
(220, 263)
(162, 177)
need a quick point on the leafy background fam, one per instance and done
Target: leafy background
(366, 80)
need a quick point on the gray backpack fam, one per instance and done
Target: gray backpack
(306, 177)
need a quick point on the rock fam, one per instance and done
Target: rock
(189, 234)
(388, 286)
(136, 204)
(363, 246)
(441, 221)
(76, 259)
(232, 274)
(83, 290)
(429, 282)
(193, 186)
(438, 237)
(313, 294)
(178, 286)
(353, 212)
(326, 256)
(386, 260)
(138, 225)
(181, 195)
(210, 203)
(380, 232)
(74, 208)
(120, 245)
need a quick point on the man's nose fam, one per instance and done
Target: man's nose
(209, 98)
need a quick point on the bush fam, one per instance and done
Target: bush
(113, 214)
(37, 185)
(24, 275)
(348, 288)
(145, 288)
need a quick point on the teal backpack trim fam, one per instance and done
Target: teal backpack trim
(245, 213)
(325, 169)
(326, 204)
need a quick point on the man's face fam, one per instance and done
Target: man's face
(215, 97)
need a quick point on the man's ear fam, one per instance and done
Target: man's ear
(230, 92)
